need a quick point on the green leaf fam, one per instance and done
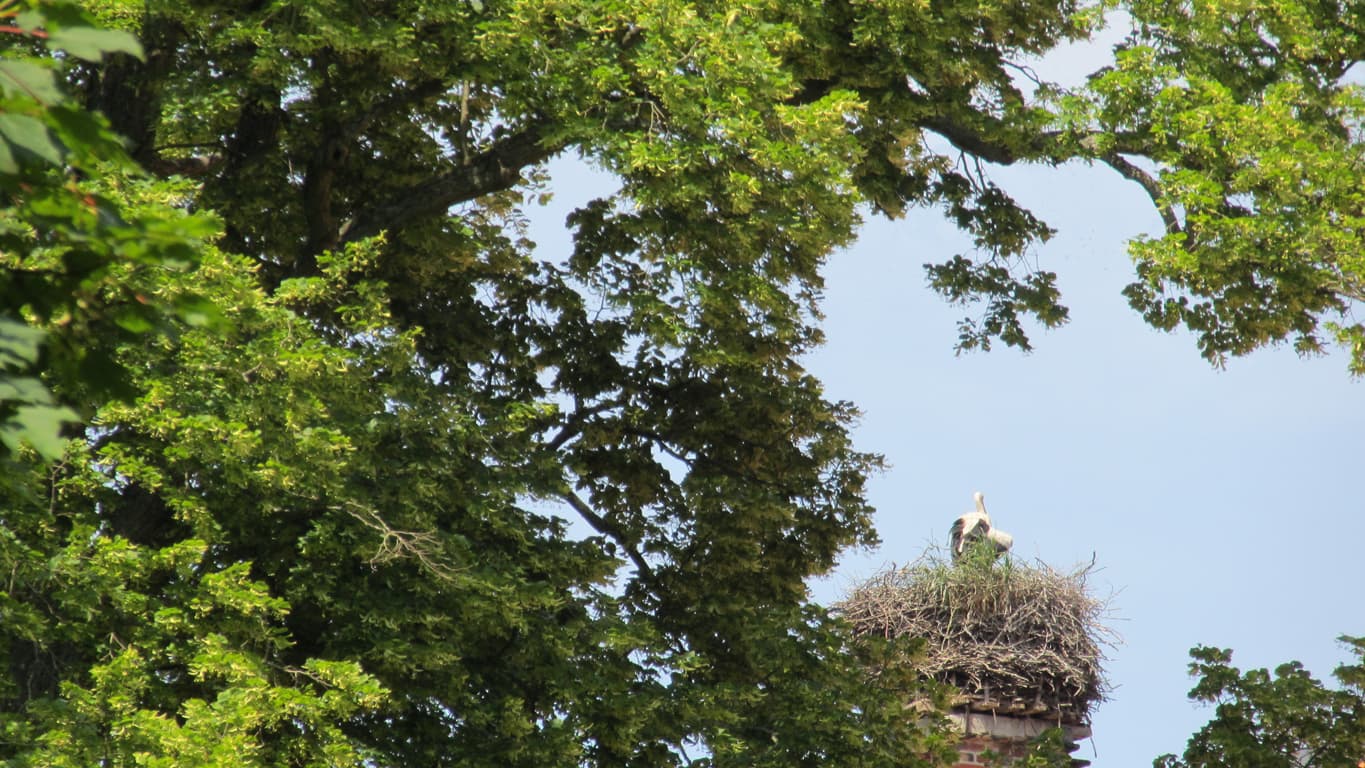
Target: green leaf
(91, 44)
(198, 311)
(30, 134)
(29, 20)
(105, 377)
(8, 165)
(28, 78)
(18, 343)
(23, 389)
(84, 129)
(40, 426)
(134, 319)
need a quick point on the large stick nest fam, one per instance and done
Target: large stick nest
(1015, 638)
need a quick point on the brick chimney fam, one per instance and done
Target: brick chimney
(1007, 738)
(1017, 645)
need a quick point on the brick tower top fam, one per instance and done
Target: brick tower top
(1022, 643)
(1014, 638)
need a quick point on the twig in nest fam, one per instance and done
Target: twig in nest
(1021, 632)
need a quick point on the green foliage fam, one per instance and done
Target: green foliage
(1284, 718)
(1049, 749)
(1249, 122)
(320, 514)
(133, 637)
(78, 232)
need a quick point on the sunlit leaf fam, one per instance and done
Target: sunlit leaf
(39, 426)
(91, 43)
(28, 133)
(26, 77)
(18, 343)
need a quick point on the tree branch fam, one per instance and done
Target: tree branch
(1149, 184)
(970, 141)
(493, 170)
(328, 157)
(129, 90)
(321, 171)
(1042, 145)
(573, 425)
(606, 528)
(254, 136)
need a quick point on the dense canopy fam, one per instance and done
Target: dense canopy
(339, 412)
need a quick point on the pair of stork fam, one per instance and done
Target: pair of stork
(975, 526)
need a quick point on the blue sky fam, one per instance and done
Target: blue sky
(1220, 507)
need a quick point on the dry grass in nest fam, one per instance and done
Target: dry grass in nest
(1015, 638)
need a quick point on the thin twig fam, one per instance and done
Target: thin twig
(1024, 633)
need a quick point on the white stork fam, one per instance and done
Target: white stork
(976, 525)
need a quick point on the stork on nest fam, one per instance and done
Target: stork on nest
(976, 526)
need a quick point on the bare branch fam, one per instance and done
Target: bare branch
(424, 547)
(970, 141)
(1028, 72)
(496, 169)
(1149, 184)
(573, 425)
(1055, 146)
(327, 159)
(606, 528)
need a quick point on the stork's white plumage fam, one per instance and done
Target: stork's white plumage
(970, 526)
(1002, 541)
